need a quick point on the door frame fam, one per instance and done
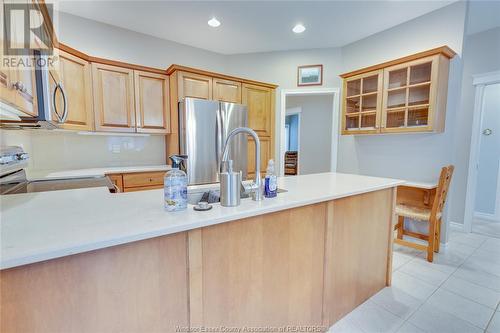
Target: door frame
(299, 115)
(335, 122)
(479, 82)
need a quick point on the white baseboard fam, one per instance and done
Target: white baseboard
(486, 217)
(457, 226)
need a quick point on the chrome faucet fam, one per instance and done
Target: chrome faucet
(256, 187)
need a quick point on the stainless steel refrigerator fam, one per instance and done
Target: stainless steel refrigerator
(203, 128)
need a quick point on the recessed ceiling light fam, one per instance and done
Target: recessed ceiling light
(299, 28)
(213, 22)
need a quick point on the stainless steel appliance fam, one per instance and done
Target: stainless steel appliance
(13, 161)
(203, 129)
(231, 186)
(49, 117)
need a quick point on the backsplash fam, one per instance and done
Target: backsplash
(60, 150)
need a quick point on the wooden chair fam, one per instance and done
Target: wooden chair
(431, 216)
(291, 162)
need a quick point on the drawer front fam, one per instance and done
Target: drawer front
(142, 188)
(143, 179)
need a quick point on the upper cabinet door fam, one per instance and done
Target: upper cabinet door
(259, 101)
(113, 90)
(194, 85)
(25, 84)
(361, 103)
(409, 95)
(152, 102)
(227, 91)
(18, 82)
(72, 82)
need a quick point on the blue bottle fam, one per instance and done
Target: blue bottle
(271, 181)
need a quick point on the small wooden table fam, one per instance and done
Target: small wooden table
(419, 194)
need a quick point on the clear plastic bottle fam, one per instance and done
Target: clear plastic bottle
(271, 181)
(175, 186)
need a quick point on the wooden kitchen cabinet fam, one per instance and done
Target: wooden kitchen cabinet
(117, 180)
(26, 99)
(72, 77)
(415, 95)
(18, 82)
(404, 95)
(362, 102)
(194, 85)
(113, 90)
(7, 92)
(227, 91)
(143, 179)
(260, 103)
(152, 108)
(137, 181)
(259, 97)
(265, 154)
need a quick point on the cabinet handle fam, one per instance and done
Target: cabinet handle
(60, 118)
(20, 87)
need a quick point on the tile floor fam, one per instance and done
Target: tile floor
(458, 292)
(486, 228)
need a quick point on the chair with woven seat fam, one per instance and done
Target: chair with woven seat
(430, 215)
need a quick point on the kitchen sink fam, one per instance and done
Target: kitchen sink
(195, 193)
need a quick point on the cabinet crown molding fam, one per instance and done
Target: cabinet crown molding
(444, 50)
(173, 68)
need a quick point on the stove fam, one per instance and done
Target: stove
(13, 161)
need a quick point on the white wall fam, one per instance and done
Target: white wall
(55, 150)
(107, 41)
(409, 156)
(489, 153)
(281, 68)
(315, 131)
(481, 55)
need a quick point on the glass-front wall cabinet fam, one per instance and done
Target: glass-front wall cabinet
(362, 102)
(406, 96)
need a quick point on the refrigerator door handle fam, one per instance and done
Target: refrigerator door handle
(218, 139)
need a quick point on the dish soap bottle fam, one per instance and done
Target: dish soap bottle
(271, 181)
(175, 185)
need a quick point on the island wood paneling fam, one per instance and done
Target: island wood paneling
(309, 265)
(358, 255)
(264, 270)
(137, 287)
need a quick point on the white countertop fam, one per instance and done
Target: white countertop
(423, 185)
(46, 225)
(37, 174)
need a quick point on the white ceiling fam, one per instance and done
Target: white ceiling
(254, 26)
(483, 15)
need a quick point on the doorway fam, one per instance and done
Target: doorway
(308, 131)
(483, 201)
(292, 141)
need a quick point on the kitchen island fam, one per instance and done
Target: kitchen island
(87, 260)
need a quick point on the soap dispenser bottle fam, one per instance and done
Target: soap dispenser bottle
(271, 181)
(175, 185)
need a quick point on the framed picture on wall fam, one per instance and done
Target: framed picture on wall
(310, 75)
